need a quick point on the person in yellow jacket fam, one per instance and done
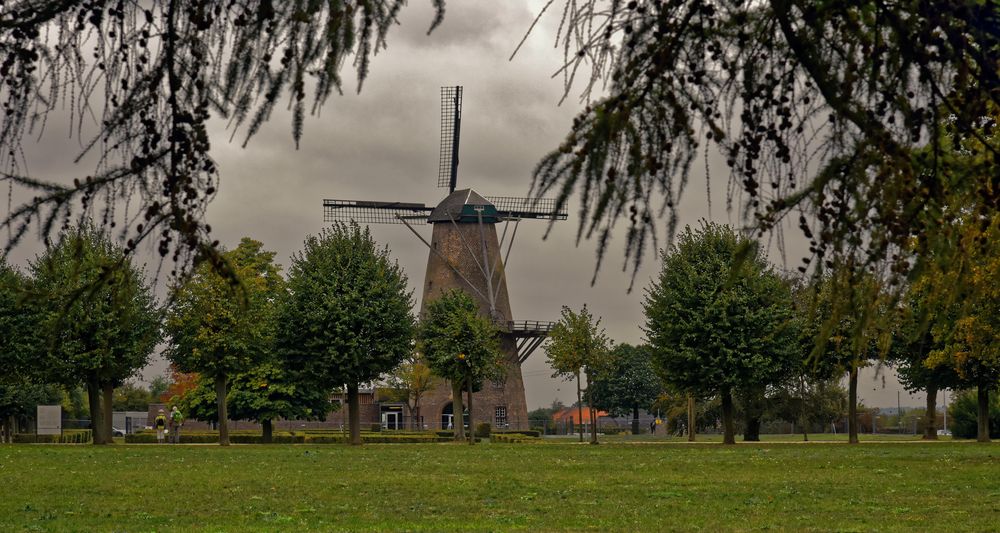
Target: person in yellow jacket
(160, 423)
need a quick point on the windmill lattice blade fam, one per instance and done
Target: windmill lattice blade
(451, 126)
(514, 207)
(364, 212)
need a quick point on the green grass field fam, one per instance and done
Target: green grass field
(537, 487)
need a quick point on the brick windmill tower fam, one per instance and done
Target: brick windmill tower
(466, 253)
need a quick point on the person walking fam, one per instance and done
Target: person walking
(160, 423)
(176, 421)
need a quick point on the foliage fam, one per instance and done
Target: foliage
(408, 383)
(179, 384)
(718, 318)
(18, 339)
(807, 401)
(265, 392)
(455, 340)
(152, 75)
(20, 400)
(218, 328)
(963, 415)
(628, 382)
(577, 343)
(785, 487)
(131, 397)
(346, 317)
(158, 387)
(776, 87)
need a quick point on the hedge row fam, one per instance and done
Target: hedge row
(284, 437)
(514, 438)
(69, 436)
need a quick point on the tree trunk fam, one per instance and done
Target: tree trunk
(692, 419)
(852, 405)
(983, 431)
(354, 413)
(728, 433)
(930, 429)
(415, 413)
(751, 433)
(472, 426)
(268, 431)
(635, 419)
(579, 405)
(109, 399)
(457, 410)
(753, 411)
(220, 400)
(96, 414)
(593, 415)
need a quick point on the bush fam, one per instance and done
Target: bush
(526, 432)
(613, 430)
(376, 427)
(483, 430)
(186, 438)
(69, 436)
(963, 413)
(514, 438)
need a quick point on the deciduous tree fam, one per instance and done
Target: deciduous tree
(718, 318)
(346, 318)
(462, 346)
(577, 345)
(219, 327)
(408, 383)
(627, 383)
(98, 318)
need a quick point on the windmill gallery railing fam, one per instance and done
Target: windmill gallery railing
(530, 334)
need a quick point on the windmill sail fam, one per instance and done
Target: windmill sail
(364, 212)
(451, 129)
(539, 208)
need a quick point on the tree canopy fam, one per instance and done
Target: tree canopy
(718, 318)
(346, 318)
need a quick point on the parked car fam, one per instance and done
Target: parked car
(115, 432)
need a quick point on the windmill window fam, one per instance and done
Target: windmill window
(500, 419)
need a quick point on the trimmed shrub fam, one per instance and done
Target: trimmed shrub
(69, 436)
(483, 430)
(514, 438)
(526, 432)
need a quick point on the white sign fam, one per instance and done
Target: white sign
(49, 420)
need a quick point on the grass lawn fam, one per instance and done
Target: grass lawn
(536, 487)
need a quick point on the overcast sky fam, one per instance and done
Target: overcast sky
(382, 144)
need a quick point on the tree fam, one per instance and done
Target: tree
(179, 384)
(408, 383)
(963, 414)
(220, 328)
(265, 393)
(773, 86)
(806, 400)
(911, 350)
(97, 316)
(578, 345)
(718, 319)
(628, 383)
(19, 401)
(154, 74)
(462, 346)
(158, 386)
(16, 349)
(131, 397)
(346, 317)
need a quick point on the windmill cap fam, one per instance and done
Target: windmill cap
(459, 207)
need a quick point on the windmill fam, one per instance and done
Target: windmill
(466, 253)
